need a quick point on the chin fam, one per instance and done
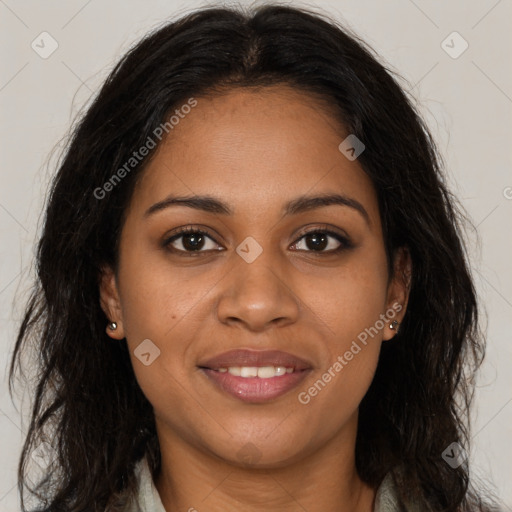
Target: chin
(265, 452)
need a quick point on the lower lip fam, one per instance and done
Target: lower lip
(254, 389)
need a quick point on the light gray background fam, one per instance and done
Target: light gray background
(467, 102)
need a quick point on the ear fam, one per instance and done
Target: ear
(398, 291)
(110, 302)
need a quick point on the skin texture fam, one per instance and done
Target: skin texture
(254, 150)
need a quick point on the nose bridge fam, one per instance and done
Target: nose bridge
(256, 292)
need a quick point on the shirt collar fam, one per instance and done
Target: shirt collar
(148, 498)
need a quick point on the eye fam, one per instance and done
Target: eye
(322, 241)
(190, 240)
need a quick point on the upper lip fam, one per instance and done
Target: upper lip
(243, 357)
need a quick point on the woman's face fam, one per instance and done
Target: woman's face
(254, 280)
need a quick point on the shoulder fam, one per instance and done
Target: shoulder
(387, 496)
(147, 498)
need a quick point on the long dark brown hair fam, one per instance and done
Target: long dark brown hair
(87, 404)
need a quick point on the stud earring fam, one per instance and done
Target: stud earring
(394, 325)
(112, 326)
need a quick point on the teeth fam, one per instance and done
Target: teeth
(266, 372)
(247, 371)
(263, 372)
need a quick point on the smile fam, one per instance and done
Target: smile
(263, 372)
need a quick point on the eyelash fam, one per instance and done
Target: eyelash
(345, 242)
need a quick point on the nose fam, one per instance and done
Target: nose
(257, 296)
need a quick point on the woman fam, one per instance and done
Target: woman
(252, 288)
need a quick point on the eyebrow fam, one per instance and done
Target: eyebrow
(295, 206)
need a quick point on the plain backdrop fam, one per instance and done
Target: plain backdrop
(465, 94)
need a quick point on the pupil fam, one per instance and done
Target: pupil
(318, 241)
(193, 241)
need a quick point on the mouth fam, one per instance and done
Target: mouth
(255, 376)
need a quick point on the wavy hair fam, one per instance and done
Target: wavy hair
(87, 406)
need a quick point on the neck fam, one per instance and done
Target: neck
(194, 479)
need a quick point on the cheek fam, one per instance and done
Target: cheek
(168, 305)
(350, 303)
(156, 297)
(352, 297)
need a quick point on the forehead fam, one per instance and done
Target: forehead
(255, 148)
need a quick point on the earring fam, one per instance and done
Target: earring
(394, 325)
(112, 326)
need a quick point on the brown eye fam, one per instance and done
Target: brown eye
(316, 241)
(191, 240)
(322, 241)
